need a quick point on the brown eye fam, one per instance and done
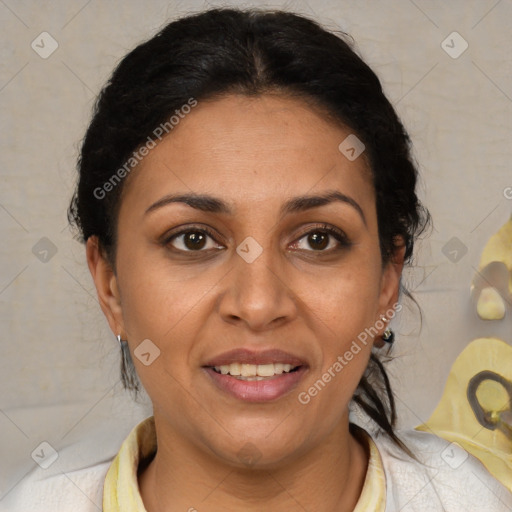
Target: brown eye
(192, 240)
(318, 241)
(323, 239)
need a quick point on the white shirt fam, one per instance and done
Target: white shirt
(449, 479)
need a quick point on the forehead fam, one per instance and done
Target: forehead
(256, 149)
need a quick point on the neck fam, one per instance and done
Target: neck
(182, 477)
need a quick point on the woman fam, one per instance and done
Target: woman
(247, 200)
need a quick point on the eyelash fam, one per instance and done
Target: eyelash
(337, 234)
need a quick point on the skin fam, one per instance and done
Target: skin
(253, 153)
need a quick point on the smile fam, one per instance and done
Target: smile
(255, 376)
(252, 372)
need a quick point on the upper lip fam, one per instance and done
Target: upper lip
(245, 356)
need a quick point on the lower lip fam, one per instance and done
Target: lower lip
(257, 390)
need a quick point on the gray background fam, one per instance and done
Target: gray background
(59, 365)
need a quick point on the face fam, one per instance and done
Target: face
(248, 275)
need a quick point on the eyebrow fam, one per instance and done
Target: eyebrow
(212, 204)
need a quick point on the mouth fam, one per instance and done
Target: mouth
(256, 377)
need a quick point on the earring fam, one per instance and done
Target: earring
(388, 336)
(127, 376)
(120, 340)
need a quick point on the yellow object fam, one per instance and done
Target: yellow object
(454, 418)
(490, 305)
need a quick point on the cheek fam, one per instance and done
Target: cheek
(161, 306)
(347, 299)
(343, 307)
(344, 347)
(162, 309)
(155, 297)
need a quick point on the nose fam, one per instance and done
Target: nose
(258, 293)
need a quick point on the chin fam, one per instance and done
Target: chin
(262, 449)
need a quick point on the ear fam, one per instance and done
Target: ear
(107, 288)
(390, 283)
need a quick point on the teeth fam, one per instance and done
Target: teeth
(265, 370)
(234, 369)
(249, 370)
(253, 371)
